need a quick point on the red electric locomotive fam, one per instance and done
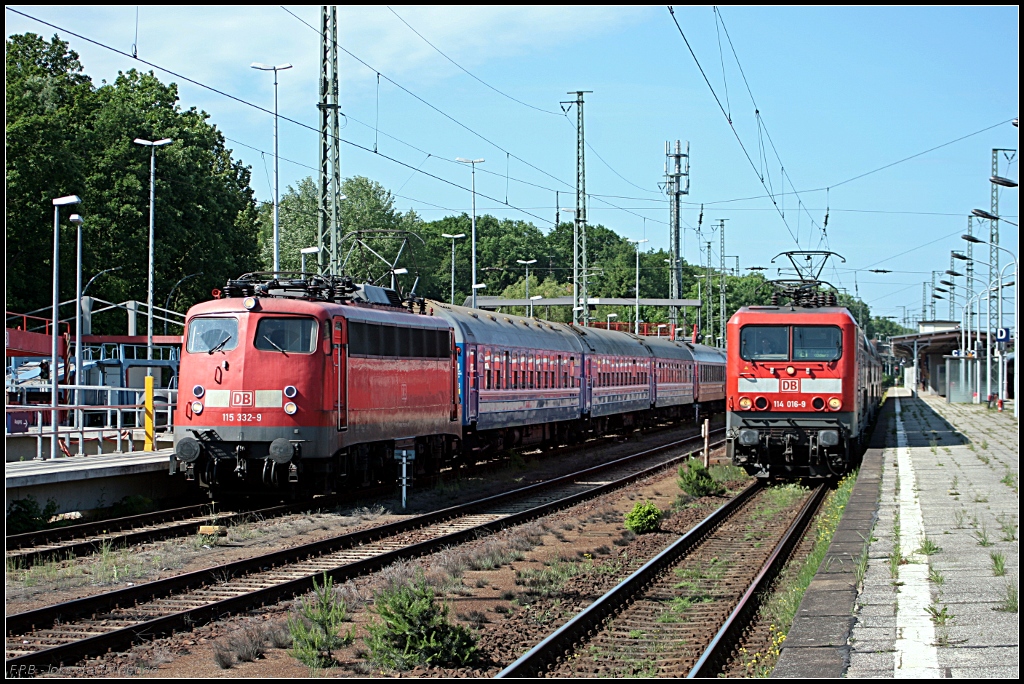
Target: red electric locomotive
(803, 386)
(266, 380)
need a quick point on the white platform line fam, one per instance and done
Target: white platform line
(916, 654)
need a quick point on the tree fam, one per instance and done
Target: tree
(48, 106)
(65, 136)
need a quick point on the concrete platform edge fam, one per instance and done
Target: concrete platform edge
(818, 644)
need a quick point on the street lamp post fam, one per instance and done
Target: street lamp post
(167, 302)
(302, 255)
(152, 194)
(636, 327)
(277, 233)
(608, 320)
(55, 323)
(1016, 303)
(453, 238)
(532, 300)
(77, 220)
(473, 163)
(527, 264)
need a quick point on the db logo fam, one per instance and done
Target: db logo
(790, 385)
(245, 399)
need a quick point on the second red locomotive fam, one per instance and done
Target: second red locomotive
(804, 385)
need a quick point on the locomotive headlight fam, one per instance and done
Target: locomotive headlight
(198, 391)
(290, 408)
(828, 438)
(748, 437)
(790, 370)
(197, 407)
(834, 403)
(746, 403)
(250, 303)
(761, 403)
(290, 391)
(818, 403)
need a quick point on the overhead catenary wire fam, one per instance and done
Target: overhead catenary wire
(467, 71)
(253, 105)
(731, 126)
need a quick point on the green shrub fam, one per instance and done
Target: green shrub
(643, 518)
(314, 630)
(695, 480)
(414, 630)
(25, 515)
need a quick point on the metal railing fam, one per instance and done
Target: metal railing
(122, 412)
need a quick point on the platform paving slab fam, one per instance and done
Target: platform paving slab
(969, 510)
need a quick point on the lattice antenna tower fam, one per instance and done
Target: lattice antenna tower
(329, 168)
(677, 184)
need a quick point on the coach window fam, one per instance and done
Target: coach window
(817, 343)
(285, 335)
(764, 343)
(212, 334)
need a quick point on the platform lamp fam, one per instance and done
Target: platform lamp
(453, 238)
(303, 252)
(473, 163)
(533, 299)
(527, 264)
(55, 323)
(277, 203)
(636, 327)
(152, 194)
(397, 272)
(608, 320)
(1016, 303)
(78, 221)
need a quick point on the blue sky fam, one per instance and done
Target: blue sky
(840, 91)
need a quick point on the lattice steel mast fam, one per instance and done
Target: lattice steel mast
(330, 145)
(677, 184)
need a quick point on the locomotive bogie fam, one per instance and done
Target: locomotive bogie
(790, 445)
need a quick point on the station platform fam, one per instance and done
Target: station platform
(935, 510)
(85, 483)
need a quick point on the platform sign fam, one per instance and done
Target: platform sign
(1003, 335)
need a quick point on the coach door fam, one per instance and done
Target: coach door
(340, 349)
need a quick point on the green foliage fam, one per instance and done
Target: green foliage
(643, 518)
(695, 480)
(67, 136)
(25, 515)
(414, 629)
(315, 630)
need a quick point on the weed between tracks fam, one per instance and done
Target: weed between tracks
(780, 609)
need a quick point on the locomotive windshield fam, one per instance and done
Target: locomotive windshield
(817, 343)
(212, 334)
(764, 343)
(286, 335)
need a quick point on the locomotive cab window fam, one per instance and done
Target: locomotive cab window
(764, 343)
(212, 334)
(817, 343)
(285, 335)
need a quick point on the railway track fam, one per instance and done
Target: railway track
(684, 611)
(61, 543)
(66, 633)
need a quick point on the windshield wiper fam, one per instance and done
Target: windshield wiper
(275, 346)
(217, 347)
